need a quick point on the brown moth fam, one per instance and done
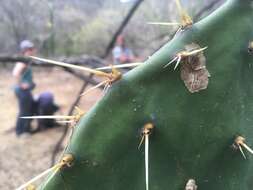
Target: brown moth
(193, 70)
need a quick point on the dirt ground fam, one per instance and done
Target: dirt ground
(24, 157)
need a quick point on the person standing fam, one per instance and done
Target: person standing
(121, 53)
(24, 85)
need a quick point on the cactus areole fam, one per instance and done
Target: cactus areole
(197, 116)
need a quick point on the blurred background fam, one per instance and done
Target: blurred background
(63, 29)
(74, 27)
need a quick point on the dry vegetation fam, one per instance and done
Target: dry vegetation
(24, 157)
(74, 27)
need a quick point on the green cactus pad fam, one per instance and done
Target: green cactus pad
(194, 131)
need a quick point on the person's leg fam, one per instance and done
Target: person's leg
(45, 123)
(25, 101)
(27, 109)
(19, 123)
(41, 122)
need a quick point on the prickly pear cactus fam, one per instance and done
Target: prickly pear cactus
(202, 113)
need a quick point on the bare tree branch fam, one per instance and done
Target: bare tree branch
(206, 8)
(90, 61)
(86, 60)
(121, 27)
(71, 110)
